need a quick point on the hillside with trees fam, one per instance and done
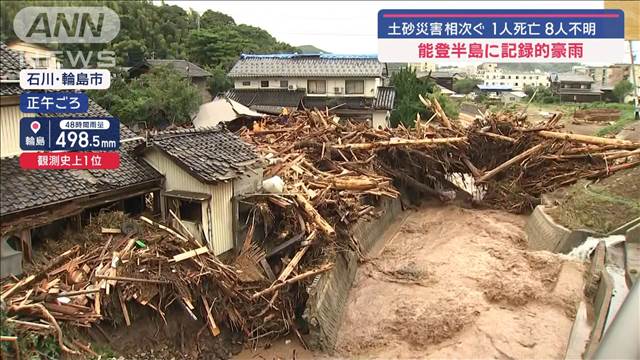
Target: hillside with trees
(210, 39)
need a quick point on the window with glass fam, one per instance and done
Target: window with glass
(316, 86)
(354, 86)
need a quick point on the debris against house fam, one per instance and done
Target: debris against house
(334, 174)
(154, 266)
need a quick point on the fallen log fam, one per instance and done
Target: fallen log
(122, 278)
(489, 174)
(401, 142)
(292, 280)
(589, 139)
(315, 217)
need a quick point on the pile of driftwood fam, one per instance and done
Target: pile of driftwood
(131, 263)
(340, 167)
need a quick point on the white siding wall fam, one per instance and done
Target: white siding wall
(370, 85)
(219, 205)
(517, 81)
(10, 130)
(380, 119)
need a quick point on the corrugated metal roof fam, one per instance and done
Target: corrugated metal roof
(294, 65)
(385, 98)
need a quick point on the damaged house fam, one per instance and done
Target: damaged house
(37, 205)
(350, 86)
(204, 170)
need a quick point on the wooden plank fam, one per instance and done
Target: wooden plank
(125, 312)
(110, 231)
(190, 254)
(213, 328)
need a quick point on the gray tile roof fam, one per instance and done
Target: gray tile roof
(22, 189)
(210, 154)
(183, 67)
(10, 63)
(294, 65)
(570, 77)
(266, 97)
(10, 89)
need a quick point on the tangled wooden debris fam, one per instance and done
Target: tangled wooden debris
(338, 165)
(334, 174)
(151, 265)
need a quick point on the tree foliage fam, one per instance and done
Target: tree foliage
(408, 104)
(159, 98)
(163, 32)
(543, 94)
(622, 89)
(466, 85)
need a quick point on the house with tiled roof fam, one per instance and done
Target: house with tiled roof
(197, 75)
(349, 86)
(205, 169)
(35, 204)
(574, 87)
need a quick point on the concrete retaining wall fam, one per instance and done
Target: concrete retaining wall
(545, 234)
(328, 296)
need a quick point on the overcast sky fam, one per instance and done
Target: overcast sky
(345, 27)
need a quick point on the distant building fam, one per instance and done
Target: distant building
(349, 86)
(198, 76)
(493, 91)
(36, 56)
(491, 75)
(444, 78)
(510, 97)
(574, 87)
(423, 68)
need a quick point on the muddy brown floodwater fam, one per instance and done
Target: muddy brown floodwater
(449, 282)
(459, 283)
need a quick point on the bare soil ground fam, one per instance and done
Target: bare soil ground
(458, 283)
(601, 207)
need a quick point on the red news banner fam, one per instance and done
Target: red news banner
(70, 160)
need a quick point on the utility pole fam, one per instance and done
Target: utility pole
(636, 110)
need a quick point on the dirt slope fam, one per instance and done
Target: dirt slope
(457, 283)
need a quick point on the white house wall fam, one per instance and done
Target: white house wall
(10, 130)
(219, 206)
(370, 85)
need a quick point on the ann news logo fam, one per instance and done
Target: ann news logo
(39, 24)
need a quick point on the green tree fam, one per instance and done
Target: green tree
(466, 85)
(218, 82)
(622, 89)
(407, 103)
(159, 98)
(543, 94)
(214, 19)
